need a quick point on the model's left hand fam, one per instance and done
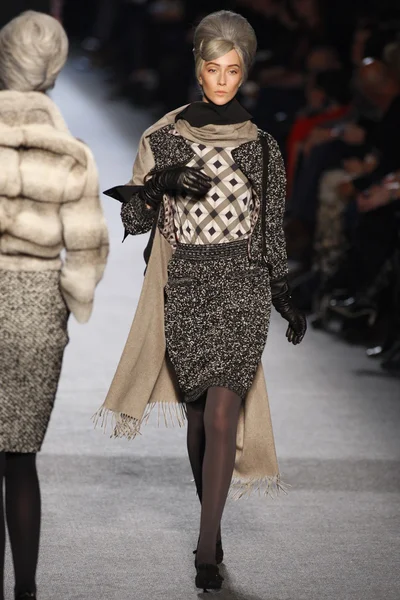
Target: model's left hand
(297, 326)
(282, 302)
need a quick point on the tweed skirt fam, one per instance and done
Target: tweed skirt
(217, 311)
(33, 326)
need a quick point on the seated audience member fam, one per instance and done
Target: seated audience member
(376, 241)
(327, 101)
(382, 88)
(324, 150)
(376, 235)
(330, 242)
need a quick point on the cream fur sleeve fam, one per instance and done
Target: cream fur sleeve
(85, 238)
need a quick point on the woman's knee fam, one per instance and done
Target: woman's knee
(221, 416)
(219, 425)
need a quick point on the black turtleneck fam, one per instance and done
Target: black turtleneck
(200, 114)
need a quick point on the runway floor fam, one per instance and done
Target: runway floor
(120, 519)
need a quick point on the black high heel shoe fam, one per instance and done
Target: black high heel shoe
(219, 553)
(208, 577)
(25, 596)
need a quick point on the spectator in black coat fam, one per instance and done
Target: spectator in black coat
(376, 235)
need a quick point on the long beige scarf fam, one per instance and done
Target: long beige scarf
(144, 378)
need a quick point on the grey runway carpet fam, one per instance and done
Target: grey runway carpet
(120, 519)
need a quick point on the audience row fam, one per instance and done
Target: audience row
(328, 89)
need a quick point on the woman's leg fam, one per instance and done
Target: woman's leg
(196, 443)
(23, 511)
(221, 417)
(2, 525)
(196, 439)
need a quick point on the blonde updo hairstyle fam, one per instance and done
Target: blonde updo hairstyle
(33, 50)
(219, 33)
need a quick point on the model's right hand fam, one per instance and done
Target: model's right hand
(181, 180)
(188, 180)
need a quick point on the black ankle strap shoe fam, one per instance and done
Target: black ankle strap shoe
(219, 553)
(208, 577)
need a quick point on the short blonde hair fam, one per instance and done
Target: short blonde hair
(33, 50)
(219, 33)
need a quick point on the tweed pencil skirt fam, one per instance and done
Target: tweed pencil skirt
(217, 310)
(33, 335)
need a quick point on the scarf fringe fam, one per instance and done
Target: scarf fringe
(265, 486)
(123, 425)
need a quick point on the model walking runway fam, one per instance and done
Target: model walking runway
(131, 506)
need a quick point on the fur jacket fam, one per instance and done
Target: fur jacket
(49, 199)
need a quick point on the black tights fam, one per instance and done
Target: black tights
(23, 510)
(211, 442)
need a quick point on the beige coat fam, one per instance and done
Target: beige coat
(144, 378)
(49, 199)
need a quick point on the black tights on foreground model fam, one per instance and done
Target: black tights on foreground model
(211, 441)
(22, 511)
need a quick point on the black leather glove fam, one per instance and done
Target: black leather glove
(183, 180)
(282, 302)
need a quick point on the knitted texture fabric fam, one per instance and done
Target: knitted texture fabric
(216, 317)
(33, 325)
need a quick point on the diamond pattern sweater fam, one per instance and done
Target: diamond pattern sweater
(224, 214)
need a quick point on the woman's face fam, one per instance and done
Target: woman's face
(220, 78)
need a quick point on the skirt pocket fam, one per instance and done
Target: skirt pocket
(180, 281)
(256, 274)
